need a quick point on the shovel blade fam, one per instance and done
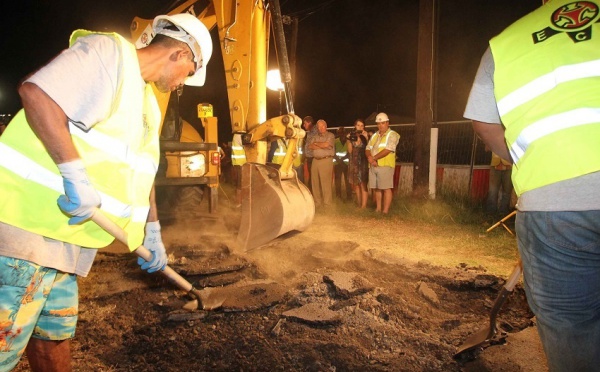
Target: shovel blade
(476, 339)
(271, 206)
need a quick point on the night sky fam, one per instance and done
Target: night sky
(354, 57)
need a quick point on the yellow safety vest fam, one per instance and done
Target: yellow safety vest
(120, 153)
(300, 155)
(238, 155)
(546, 85)
(341, 150)
(378, 142)
(279, 152)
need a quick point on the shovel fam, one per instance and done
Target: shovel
(487, 333)
(116, 231)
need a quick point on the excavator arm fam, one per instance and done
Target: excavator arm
(274, 202)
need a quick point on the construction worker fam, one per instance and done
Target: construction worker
(64, 156)
(381, 155)
(279, 153)
(535, 101)
(499, 186)
(238, 158)
(341, 159)
(308, 124)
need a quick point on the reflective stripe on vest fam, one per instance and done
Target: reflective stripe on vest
(279, 152)
(377, 144)
(548, 98)
(341, 150)
(238, 154)
(120, 154)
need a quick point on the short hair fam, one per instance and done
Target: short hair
(309, 119)
(169, 42)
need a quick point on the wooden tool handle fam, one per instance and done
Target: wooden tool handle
(514, 277)
(121, 235)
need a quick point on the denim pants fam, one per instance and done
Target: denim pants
(561, 260)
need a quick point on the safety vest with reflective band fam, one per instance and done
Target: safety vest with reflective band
(279, 152)
(120, 154)
(238, 155)
(341, 150)
(300, 155)
(548, 98)
(378, 143)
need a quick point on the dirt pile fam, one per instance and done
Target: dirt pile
(316, 301)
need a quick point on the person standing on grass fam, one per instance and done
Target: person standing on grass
(536, 102)
(381, 155)
(341, 159)
(358, 169)
(323, 149)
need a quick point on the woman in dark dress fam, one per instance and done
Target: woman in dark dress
(358, 170)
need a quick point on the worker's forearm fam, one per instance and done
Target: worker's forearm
(381, 154)
(493, 136)
(49, 122)
(153, 213)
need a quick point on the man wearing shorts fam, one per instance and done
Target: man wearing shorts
(86, 139)
(381, 155)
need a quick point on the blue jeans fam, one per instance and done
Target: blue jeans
(561, 261)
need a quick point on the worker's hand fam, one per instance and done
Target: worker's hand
(153, 241)
(81, 198)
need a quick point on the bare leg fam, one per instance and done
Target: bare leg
(358, 194)
(387, 200)
(364, 195)
(378, 195)
(49, 356)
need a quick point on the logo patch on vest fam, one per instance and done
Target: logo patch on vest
(575, 19)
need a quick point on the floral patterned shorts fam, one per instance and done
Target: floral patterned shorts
(35, 301)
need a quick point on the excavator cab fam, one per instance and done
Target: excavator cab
(274, 201)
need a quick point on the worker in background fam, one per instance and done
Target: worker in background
(238, 158)
(341, 159)
(381, 155)
(535, 100)
(225, 162)
(71, 154)
(322, 146)
(278, 151)
(499, 186)
(299, 160)
(308, 123)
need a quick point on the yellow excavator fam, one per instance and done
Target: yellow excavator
(274, 202)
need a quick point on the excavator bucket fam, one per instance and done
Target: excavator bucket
(271, 206)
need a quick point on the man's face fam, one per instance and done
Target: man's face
(176, 71)
(383, 126)
(307, 125)
(322, 126)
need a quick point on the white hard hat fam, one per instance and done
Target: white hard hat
(381, 117)
(194, 33)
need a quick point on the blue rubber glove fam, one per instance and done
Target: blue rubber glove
(80, 198)
(153, 242)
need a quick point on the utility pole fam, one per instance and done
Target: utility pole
(425, 107)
